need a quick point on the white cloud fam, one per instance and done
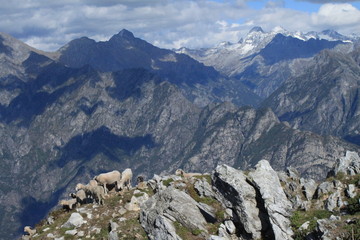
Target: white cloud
(337, 15)
(166, 23)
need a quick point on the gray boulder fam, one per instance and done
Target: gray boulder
(351, 191)
(277, 206)
(349, 164)
(234, 191)
(167, 206)
(308, 187)
(293, 173)
(334, 201)
(204, 188)
(323, 189)
(75, 220)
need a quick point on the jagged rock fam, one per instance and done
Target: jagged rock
(50, 235)
(75, 220)
(297, 202)
(304, 226)
(170, 205)
(305, 205)
(163, 230)
(351, 191)
(113, 236)
(223, 233)
(134, 204)
(204, 188)
(349, 164)
(293, 173)
(323, 227)
(333, 201)
(309, 187)
(236, 193)
(113, 226)
(71, 232)
(230, 227)
(213, 237)
(323, 189)
(275, 202)
(208, 212)
(50, 220)
(60, 238)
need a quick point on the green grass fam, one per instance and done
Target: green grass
(300, 217)
(167, 182)
(186, 233)
(353, 206)
(206, 177)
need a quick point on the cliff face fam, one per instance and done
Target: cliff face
(226, 204)
(325, 98)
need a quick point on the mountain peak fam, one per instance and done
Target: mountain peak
(125, 34)
(256, 29)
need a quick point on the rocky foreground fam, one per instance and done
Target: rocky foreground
(226, 204)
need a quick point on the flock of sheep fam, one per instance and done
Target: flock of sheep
(96, 190)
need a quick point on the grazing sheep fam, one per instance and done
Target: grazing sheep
(93, 183)
(98, 194)
(141, 184)
(108, 179)
(140, 179)
(29, 231)
(126, 177)
(68, 204)
(93, 191)
(181, 172)
(80, 195)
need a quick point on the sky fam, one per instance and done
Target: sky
(48, 25)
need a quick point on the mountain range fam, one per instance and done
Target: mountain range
(264, 60)
(94, 106)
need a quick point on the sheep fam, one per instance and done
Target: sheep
(126, 177)
(80, 195)
(93, 183)
(180, 172)
(98, 194)
(108, 179)
(68, 204)
(29, 231)
(93, 191)
(141, 184)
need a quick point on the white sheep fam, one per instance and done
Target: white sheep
(93, 191)
(93, 183)
(108, 178)
(126, 177)
(98, 194)
(180, 172)
(80, 195)
(68, 204)
(29, 231)
(141, 183)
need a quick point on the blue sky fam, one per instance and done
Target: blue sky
(48, 25)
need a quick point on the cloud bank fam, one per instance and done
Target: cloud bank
(48, 25)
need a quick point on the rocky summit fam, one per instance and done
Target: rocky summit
(226, 204)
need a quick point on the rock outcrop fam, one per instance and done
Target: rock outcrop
(228, 204)
(277, 207)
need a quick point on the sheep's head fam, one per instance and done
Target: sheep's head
(78, 186)
(140, 179)
(179, 172)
